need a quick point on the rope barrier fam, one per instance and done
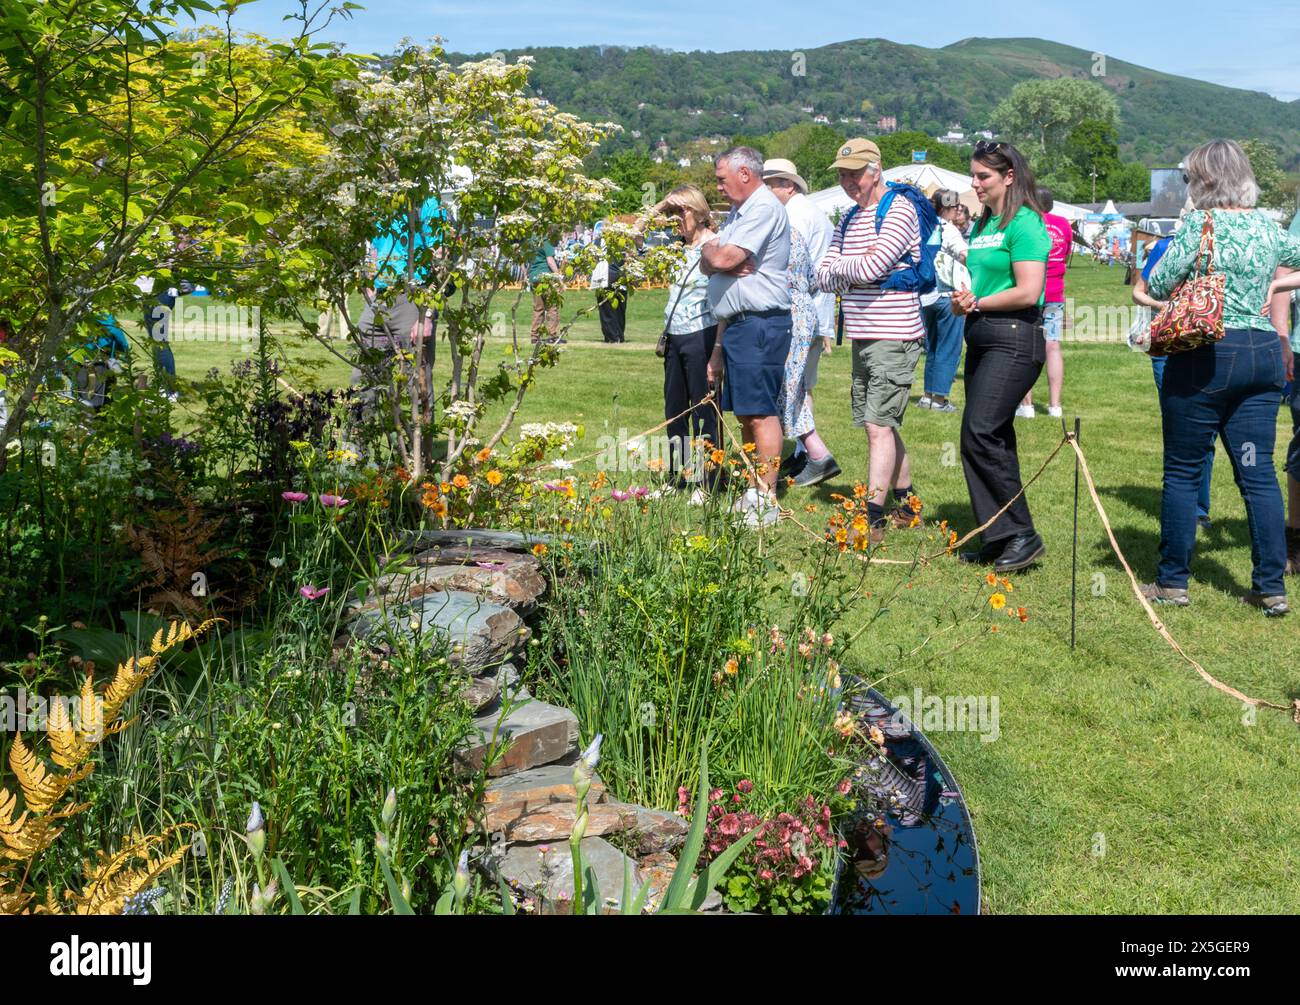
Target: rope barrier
(1067, 439)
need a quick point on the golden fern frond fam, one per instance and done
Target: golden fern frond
(41, 788)
(112, 881)
(24, 836)
(66, 748)
(13, 901)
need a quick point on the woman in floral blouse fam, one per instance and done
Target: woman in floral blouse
(1231, 387)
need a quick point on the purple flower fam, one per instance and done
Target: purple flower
(312, 592)
(618, 495)
(294, 497)
(329, 500)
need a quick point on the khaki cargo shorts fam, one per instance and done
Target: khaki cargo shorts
(883, 370)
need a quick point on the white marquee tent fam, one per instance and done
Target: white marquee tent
(834, 203)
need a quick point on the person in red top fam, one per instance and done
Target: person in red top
(1058, 260)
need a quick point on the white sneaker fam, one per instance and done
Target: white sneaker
(1024, 411)
(748, 500)
(1054, 411)
(698, 498)
(764, 513)
(665, 490)
(925, 401)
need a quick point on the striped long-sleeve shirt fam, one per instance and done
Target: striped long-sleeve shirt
(859, 259)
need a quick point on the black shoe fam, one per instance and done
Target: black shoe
(987, 555)
(792, 465)
(1204, 524)
(1022, 551)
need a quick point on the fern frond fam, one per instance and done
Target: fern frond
(41, 788)
(25, 836)
(66, 748)
(113, 880)
(13, 901)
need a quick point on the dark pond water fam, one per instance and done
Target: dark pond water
(913, 850)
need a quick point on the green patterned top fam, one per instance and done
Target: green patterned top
(1248, 248)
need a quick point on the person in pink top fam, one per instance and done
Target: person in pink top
(1058, 259)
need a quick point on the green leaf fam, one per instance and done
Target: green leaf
(675, 896)
(400, 906)
(712, 873)
(290, 891)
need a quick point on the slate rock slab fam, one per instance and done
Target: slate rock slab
(480, 634)
(503, 577)
(534, 733)
(512, 796)
(547, 875)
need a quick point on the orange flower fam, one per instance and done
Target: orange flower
(997, 601)
(539, 549)
(731, 666)
(483, 455)
(860, 491)
(493, 477)
(1022, 614)
(860, 524)
(810, 507)
(718, 456)
(461, 482)
(655, 464)
(914, 502)
(749, 448)
(444, 487)
(402, 474)
(1008, 585)
(849, 505)
(439, 508)
(991, 579)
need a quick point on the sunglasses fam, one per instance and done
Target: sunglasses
(1186, 178)
(989, 146)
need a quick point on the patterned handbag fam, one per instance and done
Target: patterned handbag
(1193, 315)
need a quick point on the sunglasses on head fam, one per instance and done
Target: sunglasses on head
(989, 146)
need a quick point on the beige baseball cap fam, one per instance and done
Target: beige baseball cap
(856, 154)
(779, 167)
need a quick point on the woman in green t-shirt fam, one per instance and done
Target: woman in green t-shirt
(1005, 351)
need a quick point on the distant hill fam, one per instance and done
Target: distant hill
(680, 96)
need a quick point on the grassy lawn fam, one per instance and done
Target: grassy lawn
(1119, 782)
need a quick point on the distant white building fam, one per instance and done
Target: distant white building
(683, 162)
(808, 109)
(822, 119)
(953, 137)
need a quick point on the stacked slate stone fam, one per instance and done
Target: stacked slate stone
(473, 590)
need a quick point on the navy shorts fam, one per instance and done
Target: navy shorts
(754, 349)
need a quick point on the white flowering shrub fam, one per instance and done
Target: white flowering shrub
(505, 170)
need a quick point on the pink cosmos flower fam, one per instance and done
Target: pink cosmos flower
(639, 491)
(618, 495)
(729, 825)
(329, 500)
(294, 497)
(312, 592)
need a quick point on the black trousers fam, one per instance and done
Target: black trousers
(1004, 356)
(686, 383)
(613, 320)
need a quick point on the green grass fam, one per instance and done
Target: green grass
(1118, 737)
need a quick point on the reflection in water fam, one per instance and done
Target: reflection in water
(912, 848)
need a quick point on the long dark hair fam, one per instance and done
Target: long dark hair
(1003, 157)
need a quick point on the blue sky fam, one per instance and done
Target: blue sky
(1255, 47)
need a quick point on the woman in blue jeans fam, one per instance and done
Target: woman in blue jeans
(944, 330)
(1231, 387)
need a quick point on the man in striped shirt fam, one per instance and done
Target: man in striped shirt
(884, 326)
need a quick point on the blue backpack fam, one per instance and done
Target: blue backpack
(918, 277)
